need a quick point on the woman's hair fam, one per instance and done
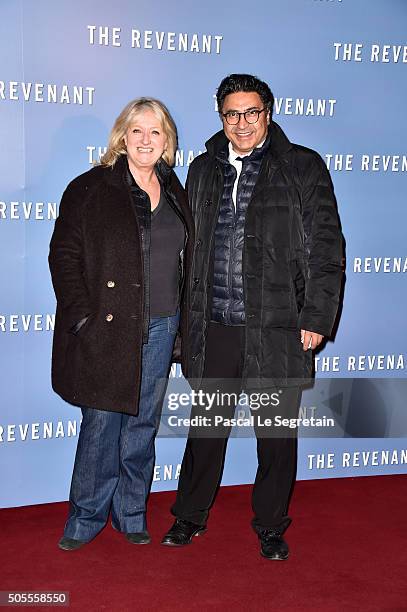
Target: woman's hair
(116, 145)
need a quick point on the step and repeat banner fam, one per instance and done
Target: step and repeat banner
(338, 71)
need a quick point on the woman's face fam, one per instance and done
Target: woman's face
(145, 141)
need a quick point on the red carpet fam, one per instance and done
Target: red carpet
(348, 552)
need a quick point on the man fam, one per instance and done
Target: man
(265, 291)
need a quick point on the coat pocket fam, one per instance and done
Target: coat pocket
(79, 325)
(297, 276)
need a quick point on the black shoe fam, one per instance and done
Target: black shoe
(273, 546)
(182, 532)
(70, 544)
(139, 537)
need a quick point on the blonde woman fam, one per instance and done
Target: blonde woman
(120, 262)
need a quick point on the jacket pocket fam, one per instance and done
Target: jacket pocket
(297, 277)
(78, 326)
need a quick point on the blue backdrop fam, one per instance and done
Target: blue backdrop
(338, 72)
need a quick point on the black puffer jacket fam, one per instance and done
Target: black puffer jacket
(227, 295)
(292, 259)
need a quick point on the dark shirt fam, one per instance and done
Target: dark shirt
(167, 242)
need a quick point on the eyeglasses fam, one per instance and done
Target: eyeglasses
(251, 116)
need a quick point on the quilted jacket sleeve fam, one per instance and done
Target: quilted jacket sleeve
(323, 250)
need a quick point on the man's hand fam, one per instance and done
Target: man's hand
(310, 340)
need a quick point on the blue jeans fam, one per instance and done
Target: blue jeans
(115, 456)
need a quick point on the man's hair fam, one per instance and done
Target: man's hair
(244, 82)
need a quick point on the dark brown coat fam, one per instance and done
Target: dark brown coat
(96, 267)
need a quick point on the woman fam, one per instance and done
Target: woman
(120, 262)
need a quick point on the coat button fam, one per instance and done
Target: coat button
(196, 280)
(109, 318)
(198, 242)
(110, 283)
(208, 203)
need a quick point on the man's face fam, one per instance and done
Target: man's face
(245, 136)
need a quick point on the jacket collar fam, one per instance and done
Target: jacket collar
(119, 173)
(279, 143)
(256, 155)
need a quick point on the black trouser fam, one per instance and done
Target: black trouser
(203, 460)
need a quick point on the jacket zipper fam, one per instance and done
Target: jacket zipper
(232, 250)
(212, 234)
